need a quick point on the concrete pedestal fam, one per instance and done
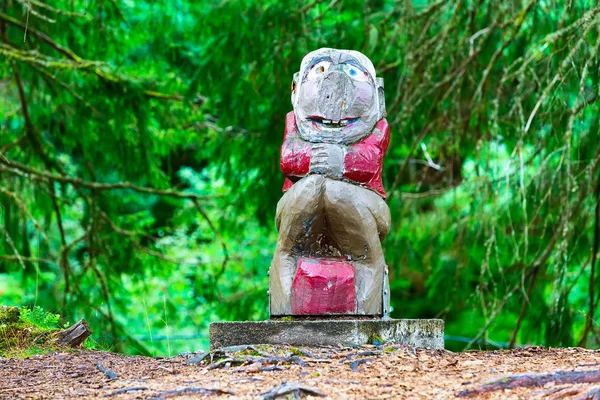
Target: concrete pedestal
(329, 332)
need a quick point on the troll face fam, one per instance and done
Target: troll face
(337, 97)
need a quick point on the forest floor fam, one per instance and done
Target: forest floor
(396, 372)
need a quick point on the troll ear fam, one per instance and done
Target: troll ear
(380, 97)
(295, 87)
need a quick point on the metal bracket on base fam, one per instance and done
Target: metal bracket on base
(386, 295)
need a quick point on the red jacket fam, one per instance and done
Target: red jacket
(362, 163)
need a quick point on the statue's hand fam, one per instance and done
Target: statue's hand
(327, 159)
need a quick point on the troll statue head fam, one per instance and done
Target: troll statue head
(337, 97)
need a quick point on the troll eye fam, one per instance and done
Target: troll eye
(356, 73)
(319, 69)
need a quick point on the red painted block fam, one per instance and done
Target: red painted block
(323, 286)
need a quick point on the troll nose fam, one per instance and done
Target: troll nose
(335, 93)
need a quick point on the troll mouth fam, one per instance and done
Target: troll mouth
(330, 123)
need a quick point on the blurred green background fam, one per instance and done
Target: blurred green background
(139, 161)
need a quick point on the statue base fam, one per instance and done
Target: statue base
(329, 332)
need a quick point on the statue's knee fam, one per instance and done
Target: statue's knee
(315, 182)
(279, 212)
(351, 201)
(307, 189)
(303, 197)
(339, 194)
(383, 218)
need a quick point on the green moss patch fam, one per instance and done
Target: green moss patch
(25, 331)
(376, 340)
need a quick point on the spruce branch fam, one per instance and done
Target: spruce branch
(22, 170)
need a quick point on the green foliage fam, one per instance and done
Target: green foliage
(38, 317)
(177, 109)
(25, 332)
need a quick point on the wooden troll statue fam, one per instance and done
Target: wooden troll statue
(332, 216)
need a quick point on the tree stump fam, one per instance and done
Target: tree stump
(74, 335)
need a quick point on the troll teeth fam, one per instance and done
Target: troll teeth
(326, 121)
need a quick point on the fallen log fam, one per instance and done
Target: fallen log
(534, 380)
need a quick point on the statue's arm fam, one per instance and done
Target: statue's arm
(363, 160)
(295, 152)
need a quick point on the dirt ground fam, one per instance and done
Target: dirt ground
(369, 372)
